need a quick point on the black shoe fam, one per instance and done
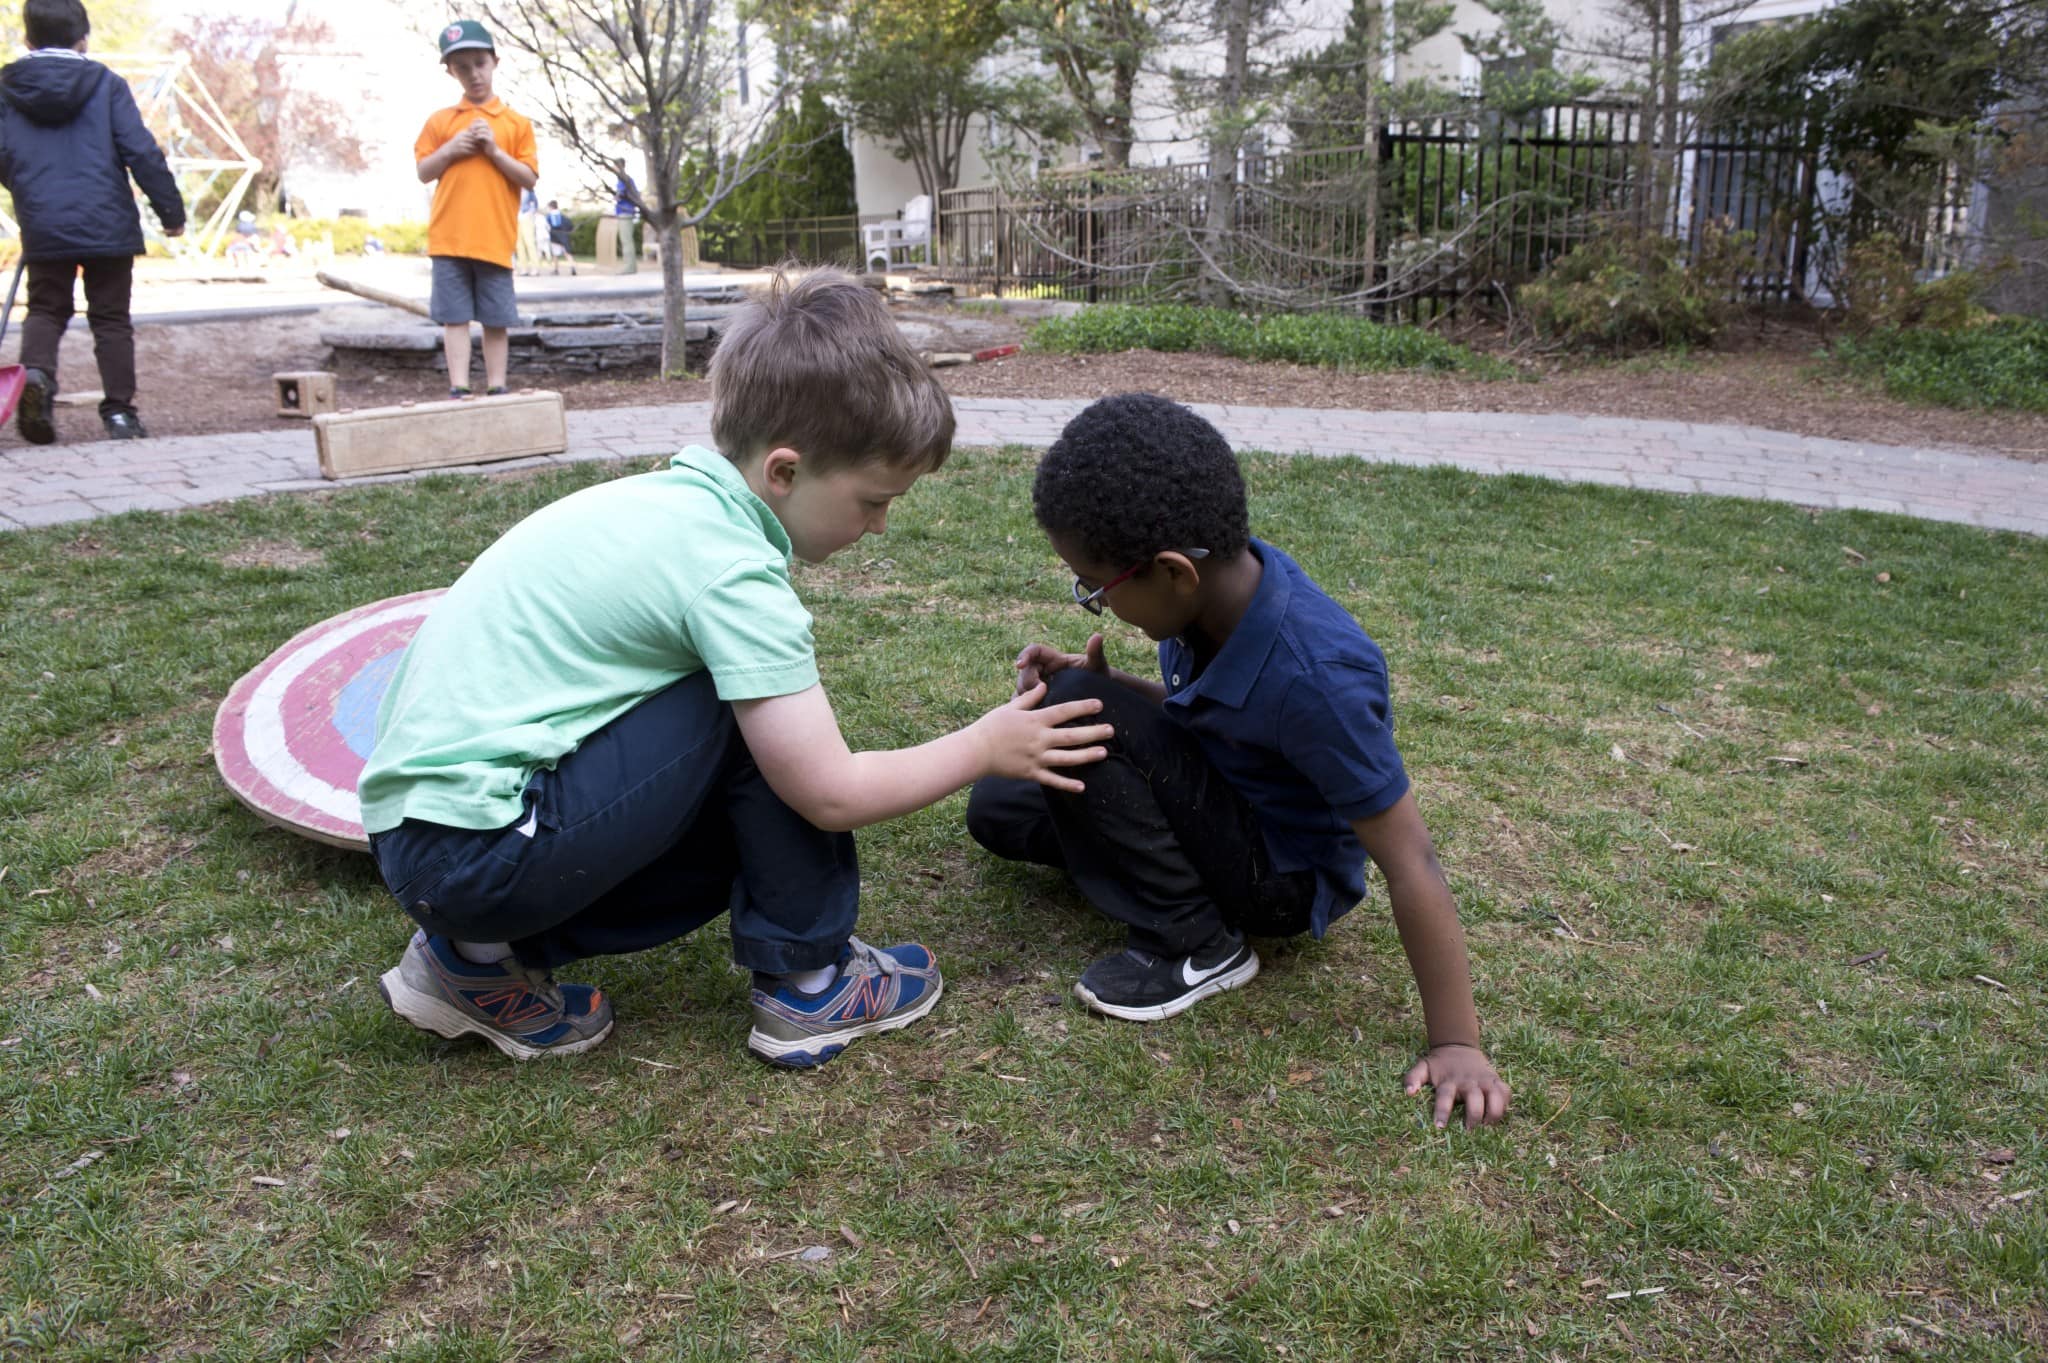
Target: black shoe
(457, 394)
(1139, 987)
(38, 395)
(124, 426)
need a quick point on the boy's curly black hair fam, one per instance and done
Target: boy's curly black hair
(1136, 474)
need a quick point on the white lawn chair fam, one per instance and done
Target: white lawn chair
(913, 229)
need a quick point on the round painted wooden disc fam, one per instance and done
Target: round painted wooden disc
(293, 734)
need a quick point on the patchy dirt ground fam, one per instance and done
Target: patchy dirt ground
(206, 377)
(1771, 378)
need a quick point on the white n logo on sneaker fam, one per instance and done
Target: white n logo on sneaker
(1191, 977)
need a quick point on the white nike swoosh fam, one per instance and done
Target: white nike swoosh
(1191, 977)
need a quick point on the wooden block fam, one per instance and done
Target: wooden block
(430, 435)
(304, 392)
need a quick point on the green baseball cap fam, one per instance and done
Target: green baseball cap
(465, 33)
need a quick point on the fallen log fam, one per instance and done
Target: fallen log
(374, 294)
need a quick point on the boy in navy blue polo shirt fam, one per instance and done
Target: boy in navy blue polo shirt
(1242, 795)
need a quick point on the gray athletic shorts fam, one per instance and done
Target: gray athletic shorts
(473, 291)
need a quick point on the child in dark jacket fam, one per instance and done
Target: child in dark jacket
(70, 135)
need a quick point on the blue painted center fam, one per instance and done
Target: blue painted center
(355, 709)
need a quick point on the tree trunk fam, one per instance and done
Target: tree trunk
(1644, 192)
(1226, 136)
(1673, 19)
(1116, 133)
(1116, 150)
(675, 299)
(1374, 36)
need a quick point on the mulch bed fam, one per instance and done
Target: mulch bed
(201, 378)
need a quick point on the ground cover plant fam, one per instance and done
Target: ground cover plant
(1742, 806)
(1625, 292)
(1327, 339)
(1999, 364)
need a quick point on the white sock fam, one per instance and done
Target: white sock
(483, 953)
(811, 981)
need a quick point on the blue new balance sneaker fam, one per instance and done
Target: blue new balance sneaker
(522, 1012)
(876, 991)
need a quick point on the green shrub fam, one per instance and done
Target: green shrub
(403, 238)
(1999, 364)
(1880, 292)
(583, 233)
(1623, 291)
(1327, 339)
(349, 234)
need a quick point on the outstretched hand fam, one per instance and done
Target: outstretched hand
(1460, 1074)
(1023, 741)
(1037, 663)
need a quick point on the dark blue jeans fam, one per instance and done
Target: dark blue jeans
(657, 824)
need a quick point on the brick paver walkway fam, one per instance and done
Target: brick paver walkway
(58, 483)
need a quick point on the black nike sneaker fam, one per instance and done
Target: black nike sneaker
(1137, 986)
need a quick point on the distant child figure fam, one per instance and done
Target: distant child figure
(626, 209)
(527, 248)
(610, 731)
(482, 154)
(1243, 794)
(561, 233)
(242, 247)
(70, 136)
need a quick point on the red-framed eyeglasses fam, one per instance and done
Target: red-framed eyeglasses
(1092, 601)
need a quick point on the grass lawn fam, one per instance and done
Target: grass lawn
(1743, 825)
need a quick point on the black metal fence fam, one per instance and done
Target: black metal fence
(1441, 211)
(1438, 212)
(822, 241)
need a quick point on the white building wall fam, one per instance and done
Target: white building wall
(1167, 133)
(1442, 57)
(883, 184)
(1590, 30)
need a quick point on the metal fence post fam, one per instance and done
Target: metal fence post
(1002, 235)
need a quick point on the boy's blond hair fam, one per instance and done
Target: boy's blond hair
(817, 365)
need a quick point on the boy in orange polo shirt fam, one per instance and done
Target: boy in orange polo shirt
(482, 154)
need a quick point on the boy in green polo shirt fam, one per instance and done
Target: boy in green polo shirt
(610, 730)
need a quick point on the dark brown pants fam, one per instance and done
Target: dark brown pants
(108, 282)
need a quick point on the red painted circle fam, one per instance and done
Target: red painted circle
(293, 733)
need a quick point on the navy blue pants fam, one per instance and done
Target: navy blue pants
(657, 824)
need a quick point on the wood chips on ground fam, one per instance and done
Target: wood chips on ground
(212, 377)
